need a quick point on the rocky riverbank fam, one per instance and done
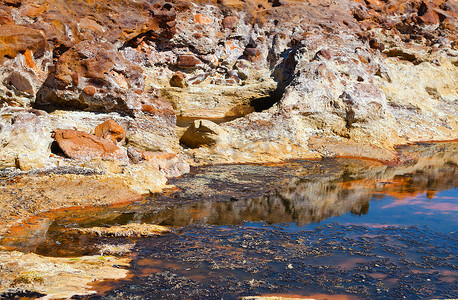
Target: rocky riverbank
(207, 213)
(296, 79)
(103, 102)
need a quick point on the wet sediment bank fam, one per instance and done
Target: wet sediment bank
(245, 230)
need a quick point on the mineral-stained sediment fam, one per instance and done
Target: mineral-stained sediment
(100, 85)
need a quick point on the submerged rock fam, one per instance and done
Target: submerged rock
(129, 230)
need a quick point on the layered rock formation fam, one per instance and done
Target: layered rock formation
(284, 79)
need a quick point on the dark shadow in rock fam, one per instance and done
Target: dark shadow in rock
(55, 149)
(282, 73)
(261, 104)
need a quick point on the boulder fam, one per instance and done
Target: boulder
(170, 164)
(24, 142)
(94, 76)
(82, 145)
(203, 133)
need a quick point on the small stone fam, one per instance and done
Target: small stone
(253, 54)
(75, 79)
(178, 80)
(326, 54)
(188, 61)
(243, 67)
(134, 155)
(230, 22)
(89, 90)
(111, 130)
(373, 43)
(251, 51)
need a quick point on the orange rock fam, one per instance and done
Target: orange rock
(89, 90)
(202, 19)
(111, 130)
(82, 145)
(5, 15)
(15, 39)
(30, 63)
(33, 11)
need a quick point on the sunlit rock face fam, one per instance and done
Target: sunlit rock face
(303, 79)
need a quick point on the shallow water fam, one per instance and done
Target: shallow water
(353, 228)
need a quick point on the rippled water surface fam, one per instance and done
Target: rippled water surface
(350, 228)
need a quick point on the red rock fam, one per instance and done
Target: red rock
(89, 90)
(178, 80)
(20, 83)
(75, 79)
(253, 54)
(230, 22)
(373, 43)
(324, 53)
(111, 130)
(16, 39)
(430, 18)
(188, 61)
(82, 145)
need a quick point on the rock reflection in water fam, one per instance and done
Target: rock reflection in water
(306, 192)
(301, 192)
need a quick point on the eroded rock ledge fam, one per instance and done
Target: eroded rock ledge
(284, 79)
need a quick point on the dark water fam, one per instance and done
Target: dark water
(350, 228)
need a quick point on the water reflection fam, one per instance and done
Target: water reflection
(307, 192)
(301, 192)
